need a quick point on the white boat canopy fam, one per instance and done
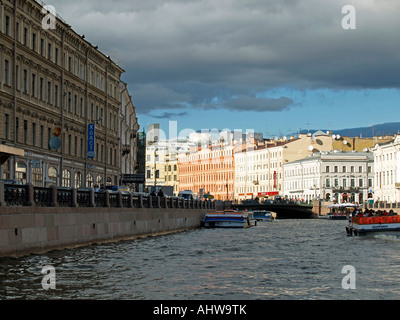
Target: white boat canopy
(343, 205)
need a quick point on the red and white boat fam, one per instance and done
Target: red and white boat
(364, 225)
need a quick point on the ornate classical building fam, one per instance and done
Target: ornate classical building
(59, 102)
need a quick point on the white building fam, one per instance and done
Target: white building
(335, 175)
(387, 173)
(128, 126)
(258, 171)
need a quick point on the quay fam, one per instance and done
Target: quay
(36, 220)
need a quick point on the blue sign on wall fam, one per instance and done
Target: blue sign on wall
(91, 133)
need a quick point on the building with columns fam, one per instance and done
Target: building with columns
(331, 175)
(60, 102)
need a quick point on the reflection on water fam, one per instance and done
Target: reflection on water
(286, 259)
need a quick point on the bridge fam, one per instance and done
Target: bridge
(283, 210)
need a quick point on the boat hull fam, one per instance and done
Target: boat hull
(364, 226)
(228, 219)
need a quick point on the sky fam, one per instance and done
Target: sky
(271, 66)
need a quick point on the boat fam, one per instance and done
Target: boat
(359, 226)
(340, 211)
(263, 215)
(229, 219)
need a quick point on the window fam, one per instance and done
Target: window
(360, 183)
(34, 134)
(25, 81)
(52, 174)
(7, 26)
(78, 180)
(69, 144)
(34, 41)
(41, 89)
(49, 51)
(89, 180)
(17, 128)
(37, 177)
(25, 39)
(360, 169)
(49, 92)
(76, 146)
(327, 169)
(328, 183)
(33, 89)
(69, 101)
(20, 172)
(56, 95)
(66, 178)
(6, 72)
(75, 104)
(41, 136)
(42, 47)
(26, 131)
(344, 169)
(336, 169)
(6, 126)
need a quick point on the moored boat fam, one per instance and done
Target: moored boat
(377, 224)
(263, 215)
(340, 211)
(229, 219)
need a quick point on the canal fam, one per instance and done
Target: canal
(280, 260)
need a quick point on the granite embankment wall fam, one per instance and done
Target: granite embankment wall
(27, 230)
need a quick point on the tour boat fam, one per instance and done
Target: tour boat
(339, 211)
(263, 215)
(365, 225)
(229, 219)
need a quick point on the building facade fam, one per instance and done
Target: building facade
(387, 171)
(208, 170)
(334, 176)
(129, 128)
(60, 101)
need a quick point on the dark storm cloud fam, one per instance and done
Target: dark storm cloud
(190, 53)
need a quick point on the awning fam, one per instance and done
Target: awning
(266, 194)
(8, 151)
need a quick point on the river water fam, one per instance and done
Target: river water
(280, 260)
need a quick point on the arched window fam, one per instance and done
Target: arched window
(78, 180)
(99, 180)
(66, 178)
(89, 180)
(52, 176)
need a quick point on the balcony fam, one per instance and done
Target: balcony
(346, 189)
